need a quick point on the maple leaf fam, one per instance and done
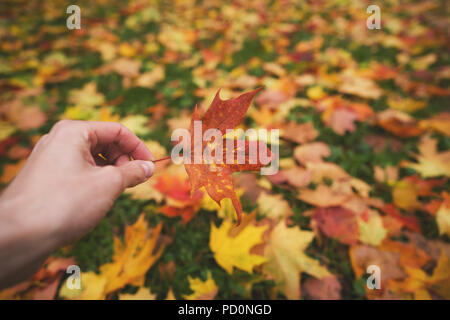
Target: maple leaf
(443, 216)
(300, 133)
(393, 213)
(202, 290)
(410, 255)
(297, 176)
(286, 258)
(439, 122)
(338, 223)
(234, 251)
(137, 124)
(215, 177)
(422, 285)
(407, 104)
(92, 288)
(274, 206)
(431, 163)
(399, 123)
(132, 259)
(362, 256)
(342, 120)
(312, 152)
(327, 288)
(175, 188)
(323, 196)
(372, 231)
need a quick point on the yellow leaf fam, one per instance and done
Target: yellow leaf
(92, 288)
(106, 115)
(287, 260)
(145, 191)
(359, 86)
(232, 252)
(126, 50)
(431, 163)
(6, 130)
(421, 284)
(372, 232)
(443, 219)
(439, 122)
(137, 124)
(149, 79)
(141, 294)
(170, 295)
(202, 290)
(273, 206)
(315, 93)
(131, 261)
(87, 97)
(405, 104)
(134, 257)
(405, 196)
(79, 112)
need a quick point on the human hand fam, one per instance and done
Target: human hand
(65, 189)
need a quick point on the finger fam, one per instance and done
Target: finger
(122, 160)
(104, 133)
(112, 152)
(135, 172)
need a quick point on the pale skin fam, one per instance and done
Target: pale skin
(64, 190)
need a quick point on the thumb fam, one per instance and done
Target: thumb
(136, 172)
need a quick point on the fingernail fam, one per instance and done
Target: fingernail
(149, 168)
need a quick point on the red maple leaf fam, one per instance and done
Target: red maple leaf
(215, 176)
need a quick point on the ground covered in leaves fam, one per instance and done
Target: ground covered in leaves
(364, 149)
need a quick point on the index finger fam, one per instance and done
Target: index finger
(104, 133)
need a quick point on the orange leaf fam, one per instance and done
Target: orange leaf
(215, 177)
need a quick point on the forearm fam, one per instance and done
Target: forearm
(23, 245)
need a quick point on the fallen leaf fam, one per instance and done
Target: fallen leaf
(312, 152)
(274, 206)
(372, 231)
(338, 223)
(431, 163)
(202, 290)
(286, 259)
(299, 133)
(439, 122)
(327, 288)
(399, 123)
(443, 216)
(234, 251)
(323, 196)
(405, 104)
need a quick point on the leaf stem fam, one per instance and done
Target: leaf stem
(162, 159)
